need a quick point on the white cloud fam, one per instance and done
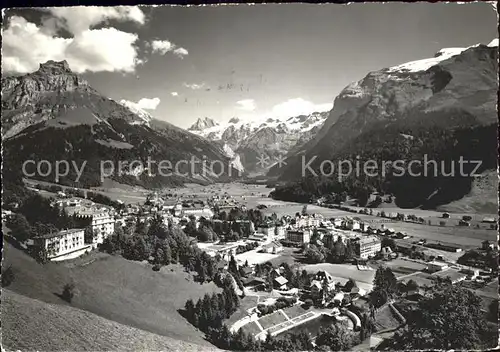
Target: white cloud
(148, 104)
(174, 94)
(162, 46)
(78, 19)
(246, 104)
(298, 106)
(195, 86)
(180, 52)
(142, 104)
(26, 44)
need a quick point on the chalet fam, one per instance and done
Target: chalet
(337, 222)
(415, 295)
(252, 281)
(259, 237)
(405, 247)
(490, 220)
(435, 266)
(357, 292)
(471, 273)
(273, 248)
(274, 273)
(320, 279)
(280, 282)
(387, 253)
(486, 245)
(463, 223)
(246, 271)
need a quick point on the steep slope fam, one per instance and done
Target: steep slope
(267, 138)
(53, 114)
(113, 288)
(398, 113)
(63, 328)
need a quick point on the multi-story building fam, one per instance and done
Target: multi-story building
(60, 245)
(279, 232)
(322, 285)
(308, 220)
(367, 246)
(244, 227)
(273, 248)
(259, 237)
(299, 236)
(102, 224)
(197, 211)
(266, 229)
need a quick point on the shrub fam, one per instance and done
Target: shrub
(8, 276)
(68, 292)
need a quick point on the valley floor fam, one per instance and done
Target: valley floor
(254, 195)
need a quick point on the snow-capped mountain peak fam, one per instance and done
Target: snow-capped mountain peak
(441, 55)
(246, 139)
(203, 124)
(145, 116)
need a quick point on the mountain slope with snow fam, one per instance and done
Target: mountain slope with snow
(440, 101)
(266, 137)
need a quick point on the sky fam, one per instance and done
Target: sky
(247, 61)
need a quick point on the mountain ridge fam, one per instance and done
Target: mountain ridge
(265, 137)
(400, 113)
(55, 114)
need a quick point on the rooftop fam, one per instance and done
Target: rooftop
(59, 234)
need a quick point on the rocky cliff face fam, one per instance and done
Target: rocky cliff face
(50, 92)
(203, 124)
(457, 82)
(54, 114)
(442, 108)
(267, 138)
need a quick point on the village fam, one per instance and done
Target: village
(291, 272)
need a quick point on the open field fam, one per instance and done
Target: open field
(272, 319)
(254, 257)
(112, 189)
(422, 279)
(117, 289)
(30, 324)
(401, 267)
(251, 328)
(466, 237)
(288, 256)
(294, 311)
